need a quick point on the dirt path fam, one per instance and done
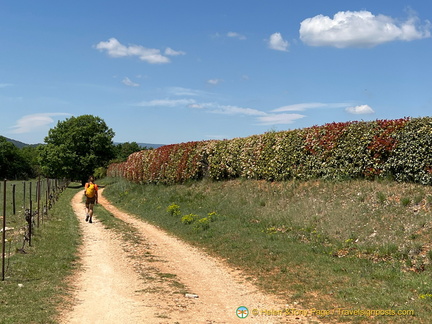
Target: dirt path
(126, 282)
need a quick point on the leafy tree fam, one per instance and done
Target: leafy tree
(30, 154)
(123, 150)
(76, 147)
(13, 165)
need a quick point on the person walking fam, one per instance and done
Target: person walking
(91, 193)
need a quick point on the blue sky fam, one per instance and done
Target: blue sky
(172, 71)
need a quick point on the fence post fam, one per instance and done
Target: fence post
(24, 194)
(46, 197)
(13, 200)
(4, 231)
(30, 215)
(38, 200)
(35, 197)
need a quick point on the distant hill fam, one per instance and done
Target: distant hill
(21, 144)
(143, 145)
(150, 145)
(18, 143)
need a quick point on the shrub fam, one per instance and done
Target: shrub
(100, 173)
(202, 223)
(411, 158)
(189, 219)
(400, 149)
(174, 210)
(405, 201)
(212, 216)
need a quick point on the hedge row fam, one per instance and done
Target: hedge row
(400, 148)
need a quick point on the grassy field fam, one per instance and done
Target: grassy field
(352, 245)
(20, 196)
(34, 286)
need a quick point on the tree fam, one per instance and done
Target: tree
(13, 165)
(30, 154)
(123, 150)
(76, 147)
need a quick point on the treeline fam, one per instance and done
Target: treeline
(400, 149)
(17, 163)
(24, 163)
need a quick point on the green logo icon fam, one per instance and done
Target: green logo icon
(242, 312)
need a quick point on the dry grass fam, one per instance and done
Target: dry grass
(353, 244)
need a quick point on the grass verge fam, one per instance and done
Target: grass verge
(35, 281)
(354, 245)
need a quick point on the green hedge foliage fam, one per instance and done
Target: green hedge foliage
(401, 149)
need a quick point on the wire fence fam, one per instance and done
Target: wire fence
(26, 206)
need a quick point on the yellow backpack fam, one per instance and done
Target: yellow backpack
(91, 190)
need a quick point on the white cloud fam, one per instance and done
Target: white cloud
(150, 55)
(277, 116)
(196, 106)
(300, 107)
(359, 29)
(236, 35)
(129, 82)
(310, 105)
(4, 85)
(180, 91)
(262, 117)
(226, 109)
(277, 43)
(214, 81)
(30, 123)
(278, 119)
(166, 103)
(360, 110)
(171, 52)
(234, 110)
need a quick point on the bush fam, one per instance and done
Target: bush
(189, 219)
(174, 210)
(100, 173)
(400, 149)
(411, 159)
(202, 224)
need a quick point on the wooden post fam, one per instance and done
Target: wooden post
(24, 194)
(38, 200)
(4, 232)
(30, 215)
(46, 197)
(13, 200)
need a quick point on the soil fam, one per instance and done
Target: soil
(158, 278)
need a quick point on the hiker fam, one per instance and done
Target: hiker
(91, 193)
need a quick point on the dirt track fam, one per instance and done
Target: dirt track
(122, 282)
